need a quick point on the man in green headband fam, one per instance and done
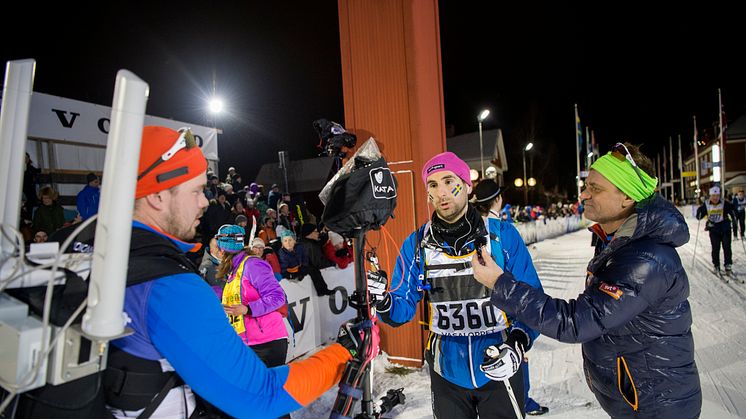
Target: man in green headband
(633, 318)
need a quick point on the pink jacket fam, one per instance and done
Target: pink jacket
(261, 292)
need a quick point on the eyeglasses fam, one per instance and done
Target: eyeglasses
(186, 140)
(621, 152)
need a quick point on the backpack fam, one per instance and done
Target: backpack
(363, 199)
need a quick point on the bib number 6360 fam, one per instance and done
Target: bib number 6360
(464, 317)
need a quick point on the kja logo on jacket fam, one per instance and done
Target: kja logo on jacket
(382, 183)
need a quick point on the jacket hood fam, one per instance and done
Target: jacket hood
(660, 220)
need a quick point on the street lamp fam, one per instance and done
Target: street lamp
(482, 116)
(215, 105)
(473, 175)
(528, 147)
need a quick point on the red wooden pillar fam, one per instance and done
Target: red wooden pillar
(393, 91)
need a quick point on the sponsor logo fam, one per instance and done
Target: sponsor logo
(611, 290)
(382, 183)
(436, 167)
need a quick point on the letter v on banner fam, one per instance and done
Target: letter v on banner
(63, 119)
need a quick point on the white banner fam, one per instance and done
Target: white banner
(58, 118)
(317, 319)
(302, 315)
(335, 309)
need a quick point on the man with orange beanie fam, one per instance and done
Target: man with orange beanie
(182, 341)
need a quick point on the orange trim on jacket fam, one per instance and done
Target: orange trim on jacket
(310, 378)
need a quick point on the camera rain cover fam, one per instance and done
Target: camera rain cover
(362, 195)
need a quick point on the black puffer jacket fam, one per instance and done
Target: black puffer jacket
(633, 318)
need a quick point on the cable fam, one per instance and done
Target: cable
(19, 245)
(13, 389)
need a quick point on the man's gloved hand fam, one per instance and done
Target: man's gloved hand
(709, 225)
(340, 253)
(377, 283)
(502, 362)
(351, 336)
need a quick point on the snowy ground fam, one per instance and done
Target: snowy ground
(719, 312)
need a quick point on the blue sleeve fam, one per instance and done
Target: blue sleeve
(81, 202)
(189, 328)
(631, 288)
(518, 262)
(403, 287)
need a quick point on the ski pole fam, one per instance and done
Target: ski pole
(696, 238)
(513, 401)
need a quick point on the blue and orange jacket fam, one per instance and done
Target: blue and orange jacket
(178, 318)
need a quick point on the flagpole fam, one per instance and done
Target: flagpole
(658, 169)
(681, 173)
(664, 173)
(587, 149)
(577, 149)
(696, 159)
(670, 170)
(594, 147)
(722, 143)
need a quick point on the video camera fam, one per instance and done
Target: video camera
(333, 137)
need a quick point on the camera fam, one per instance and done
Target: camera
(333, 137)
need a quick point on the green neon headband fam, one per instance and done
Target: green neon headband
(622, 174)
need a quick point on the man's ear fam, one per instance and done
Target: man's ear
(628, 202)
(155, 201)
(468, 188)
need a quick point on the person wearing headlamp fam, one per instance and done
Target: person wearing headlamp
(633, 318)
(182, 341)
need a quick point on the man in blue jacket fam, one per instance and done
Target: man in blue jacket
(88, 197)
(182, 340)
(474, 350)
(633, 318)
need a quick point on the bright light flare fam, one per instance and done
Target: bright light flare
(215, 105)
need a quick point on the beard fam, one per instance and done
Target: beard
(451, 214)
(180, 227)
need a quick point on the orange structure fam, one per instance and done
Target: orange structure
(393, 92)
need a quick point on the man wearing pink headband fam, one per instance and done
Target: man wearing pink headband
(474, 350)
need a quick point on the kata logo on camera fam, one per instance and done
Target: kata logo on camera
(382, 183)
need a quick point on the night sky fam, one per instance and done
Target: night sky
(637, 74)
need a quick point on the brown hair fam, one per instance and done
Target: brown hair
(643, 161)
(226, 265)
(48, 191)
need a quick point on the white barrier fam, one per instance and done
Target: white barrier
(536, 231)
(317, 319)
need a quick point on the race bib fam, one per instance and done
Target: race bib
(232, 296)
(466, 318)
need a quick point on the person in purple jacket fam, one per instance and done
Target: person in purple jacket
(252, 298)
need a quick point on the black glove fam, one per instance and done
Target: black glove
(709, 225)
(340, 253)
(350, 336)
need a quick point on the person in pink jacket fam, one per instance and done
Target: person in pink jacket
(252, 298)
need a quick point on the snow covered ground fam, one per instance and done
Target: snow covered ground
(719, 312)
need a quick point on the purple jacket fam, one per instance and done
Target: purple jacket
(261, 292)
